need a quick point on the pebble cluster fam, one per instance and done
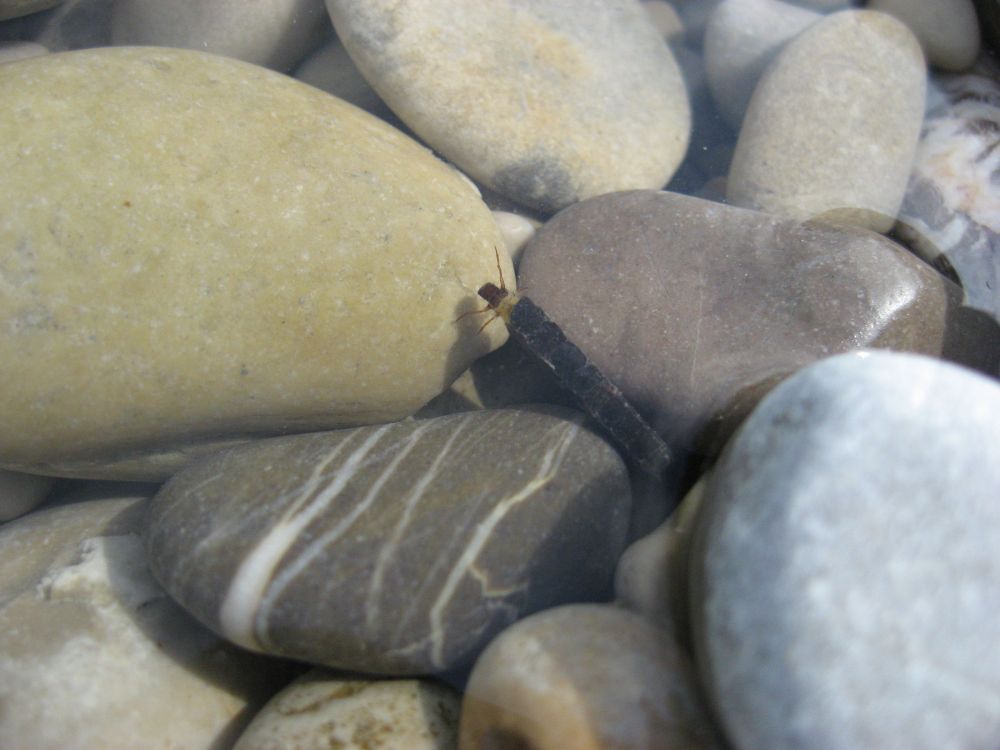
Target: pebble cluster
(272, 477)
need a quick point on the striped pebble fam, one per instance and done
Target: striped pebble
(395, 549)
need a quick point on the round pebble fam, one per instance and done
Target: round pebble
(547, 103)
(947, 29)
(196, 296)
(322, 710)
(845, 576)
(832, 127)
(398, 549)
(587, 677)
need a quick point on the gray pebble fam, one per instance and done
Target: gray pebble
(845, 575)
(397, 549)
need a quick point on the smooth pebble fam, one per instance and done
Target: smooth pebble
(845, 576)
(947, 29)
(832, 126)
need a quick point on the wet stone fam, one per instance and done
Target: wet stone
(273, 33)
(93, 653)
(322, 710)
(833, 124)
(588, 677)
(195, 297)
(398, 549)
(951, 213)
(489, 84)
(845, 576)
(696, 309)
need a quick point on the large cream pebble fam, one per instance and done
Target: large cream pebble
(196, 250)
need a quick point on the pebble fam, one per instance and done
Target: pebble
(516, 229)
(18, 8)
(202, 297)
(652, 575)
(947, 29)
(951, 211)
(322, 710)
(330, 68)
(587, 677)
(547, 103)
(399, 549)
(695, 309)
(742, 38)
(94, 654)
(665, 18)
(273, 33)
(832, 126)
(21, 493)
(845, 578)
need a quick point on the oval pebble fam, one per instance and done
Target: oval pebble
(398, 549)
(587, 677)
(94, 654)
(741, 39)
(845, 576)
(192, 295)
(273, 33)
(546, 102)
(322, 710)
(833, 124)
(947, 29)
(695, 309)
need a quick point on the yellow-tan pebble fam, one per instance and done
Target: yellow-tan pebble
(320, 711)
(196, 248)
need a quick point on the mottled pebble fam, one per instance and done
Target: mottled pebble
(951, 211)
(20, 493)
(833, 124)
(742, 38)
(947, 29)
(93, 654)
(547, 103)
(399, 549)
(322, 710)
(201, 297)
(273, 33)
(695, 309)
(587, 677)
(845, 577)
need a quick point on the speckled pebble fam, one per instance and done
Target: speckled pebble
(845, 577)
(546, 102)
(399, 549)
(195, 296)
(322, 710)
(832, 126)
